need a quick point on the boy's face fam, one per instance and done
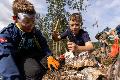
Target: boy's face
(74, 26)
(26, 21)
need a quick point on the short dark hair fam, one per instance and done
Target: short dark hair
(23, 6)
(76, 16)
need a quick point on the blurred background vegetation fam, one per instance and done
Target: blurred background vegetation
(57, 11)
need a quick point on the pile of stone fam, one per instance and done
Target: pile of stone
(77, 67)
(81, 60)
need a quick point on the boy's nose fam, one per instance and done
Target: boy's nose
(74, 26)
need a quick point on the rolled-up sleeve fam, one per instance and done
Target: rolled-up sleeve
(86, 37)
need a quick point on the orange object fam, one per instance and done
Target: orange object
(114, 48)
(53, 62)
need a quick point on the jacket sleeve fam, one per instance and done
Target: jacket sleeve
(86, 37)
(8, 67)
(5, 45)
(43, 44)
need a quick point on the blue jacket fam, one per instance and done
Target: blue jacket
(14, 42)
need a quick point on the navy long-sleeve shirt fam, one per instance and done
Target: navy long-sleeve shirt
(80, 39)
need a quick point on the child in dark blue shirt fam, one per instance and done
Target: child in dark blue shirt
(79, 39)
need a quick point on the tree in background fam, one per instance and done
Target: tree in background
(58, 12)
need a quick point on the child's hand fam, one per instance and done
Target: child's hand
(72, 46)
(55, 35)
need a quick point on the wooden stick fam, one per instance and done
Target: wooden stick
(56, 26)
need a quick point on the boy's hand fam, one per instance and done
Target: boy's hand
(55, 35)
(72, 46)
